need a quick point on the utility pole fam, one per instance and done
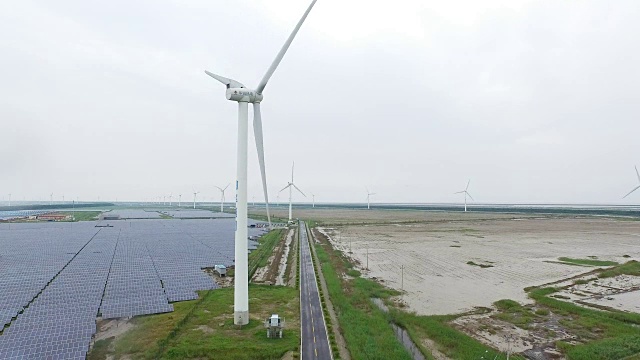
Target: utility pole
(367, 256)
(509, 339)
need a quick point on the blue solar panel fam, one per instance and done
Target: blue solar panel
(56, 278)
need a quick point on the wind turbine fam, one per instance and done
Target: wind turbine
(313, 200)
(194, 198)
(222, 196)
(368, 196)
(179, 200)
(635, 188)
(239, 93)
(170, 199)
(51, 199)
(290, 186)
(465, 192)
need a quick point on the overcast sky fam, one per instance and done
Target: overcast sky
(534, 101)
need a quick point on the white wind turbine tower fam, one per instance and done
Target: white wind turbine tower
(222, 196)
(289, 186)
(179, 200)
(368, 198)
(465, 192)
(194, 198)
(635, 188)
(51, 199)
(313, 200)
(170, 199)
(239, 93)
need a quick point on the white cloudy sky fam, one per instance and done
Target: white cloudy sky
(535, 101)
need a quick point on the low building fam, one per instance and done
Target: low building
(53, 217)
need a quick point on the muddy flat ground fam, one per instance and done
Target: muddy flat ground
(509, 251)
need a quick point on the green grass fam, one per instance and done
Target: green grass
(260, 257)
(83, 215)
(588, 262)
(100, 349)
(366, 330)
(179, 335)
(514, 313)
(606, 334)
(629, 268)
(484, 266)
(353, 273)
(449, 341)
(506, 305)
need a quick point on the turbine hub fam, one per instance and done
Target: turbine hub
(243, 95)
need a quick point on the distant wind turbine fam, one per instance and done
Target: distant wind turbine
(194, 198)
(179, 200)
(368, 198)
(222, 196)
(465, 192)
(290, 186)
(170, 199)
(635, 188)
(51, 199)
(313, 200)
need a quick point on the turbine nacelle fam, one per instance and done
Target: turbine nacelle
(241, 94)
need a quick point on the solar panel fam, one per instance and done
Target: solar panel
(56, 278)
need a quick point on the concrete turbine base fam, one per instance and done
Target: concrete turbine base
(241, 317)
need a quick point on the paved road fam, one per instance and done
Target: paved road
(315, 343)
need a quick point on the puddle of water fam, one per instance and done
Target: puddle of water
(401, 334)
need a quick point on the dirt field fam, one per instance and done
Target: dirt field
(453, 265)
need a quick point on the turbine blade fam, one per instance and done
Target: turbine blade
(283, 51)
(224, 80)
(630, 192)
(292, 165)
(470, 196)
(219, 188)
(284, 188)
(468, 182)
(225, 188)
(637, 173)
(372, 194)
(459, 192)
(257, 131)
(299, 190)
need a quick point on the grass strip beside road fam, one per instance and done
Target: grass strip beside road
(260, 257)
(365, 328)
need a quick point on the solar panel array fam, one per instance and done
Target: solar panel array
(60, 318)
(134, 287)
(61, 276)
(29, 258)
(196, 214)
